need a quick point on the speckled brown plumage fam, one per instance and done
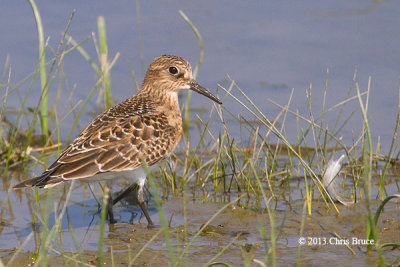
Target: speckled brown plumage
(144, 128)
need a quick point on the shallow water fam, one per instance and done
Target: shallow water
(323, 225)
(324, 230)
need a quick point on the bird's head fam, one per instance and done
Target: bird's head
(172, 74)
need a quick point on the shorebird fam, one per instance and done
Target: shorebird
(143, 129)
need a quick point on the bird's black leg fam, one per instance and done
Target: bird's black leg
(142, 206)
(140, 199)
(110, 213)
(124, 193)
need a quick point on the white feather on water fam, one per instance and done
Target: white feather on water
(330, 182)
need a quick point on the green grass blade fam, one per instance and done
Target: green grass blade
(42, 65)
(196, 69)
(163, 221)
(105, 66)
(380, 208)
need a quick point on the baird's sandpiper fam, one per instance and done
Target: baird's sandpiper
(144, 128)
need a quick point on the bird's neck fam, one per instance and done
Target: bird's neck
(171, 105)
(168, 104)
(166, 101)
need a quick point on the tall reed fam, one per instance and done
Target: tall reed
(186, 120)
(42, 67)
(104, 64)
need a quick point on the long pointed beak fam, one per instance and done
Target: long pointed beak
(201, 90)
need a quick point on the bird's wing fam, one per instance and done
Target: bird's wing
(115, 145)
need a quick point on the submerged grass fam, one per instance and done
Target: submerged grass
(248, 167)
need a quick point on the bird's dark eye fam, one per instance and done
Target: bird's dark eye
(173, 70)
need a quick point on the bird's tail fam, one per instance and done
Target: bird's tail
(43, 181)
(25, 184)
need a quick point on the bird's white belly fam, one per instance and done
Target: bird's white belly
(136, 176)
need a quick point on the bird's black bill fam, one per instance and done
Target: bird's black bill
(201, 90)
